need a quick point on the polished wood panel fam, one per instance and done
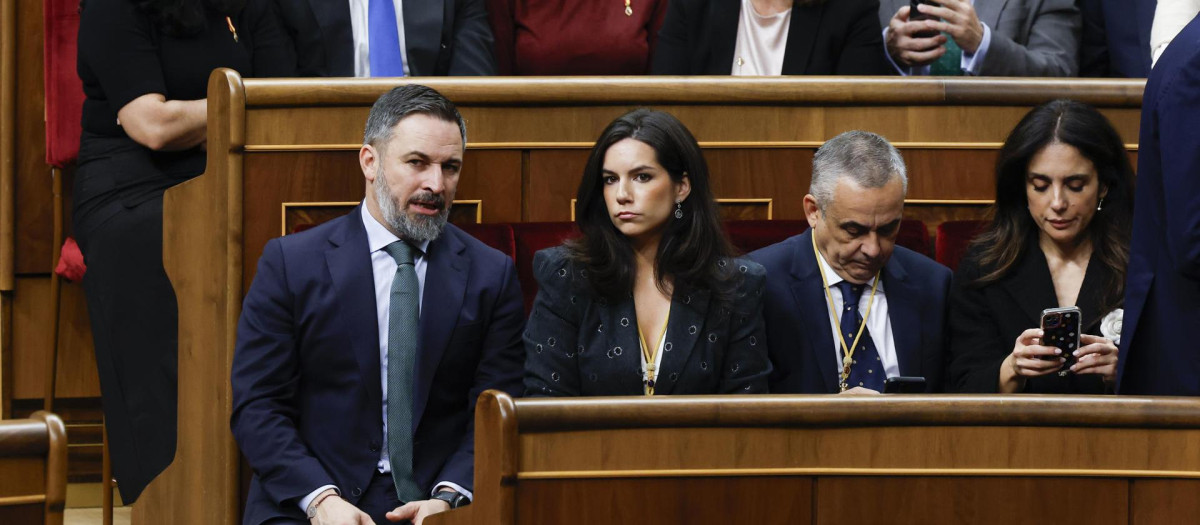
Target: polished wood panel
(738, 124)
(33, 193)
(8, 138)
(77, 376)
(1000, 501)
(867, 459)
(1164, 501)
(716, 501)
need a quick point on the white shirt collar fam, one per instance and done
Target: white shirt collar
(833, 278)
(379, 236)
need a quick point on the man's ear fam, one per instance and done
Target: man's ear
(368, 159)
(812, 212)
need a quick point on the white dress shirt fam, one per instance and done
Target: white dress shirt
(362, 43)
(1170, 17)
(383, 266)
(879, 324)
(761, 42)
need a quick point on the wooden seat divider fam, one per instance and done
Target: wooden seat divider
(33, 469)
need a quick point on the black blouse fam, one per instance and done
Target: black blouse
(124, 55)
(986, 320)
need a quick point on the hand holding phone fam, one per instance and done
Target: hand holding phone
(915, 14)
(1060, 327)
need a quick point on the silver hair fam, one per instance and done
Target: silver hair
(406, 100)
(865, 158)
(416, 229)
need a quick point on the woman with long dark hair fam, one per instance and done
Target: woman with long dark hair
(145, 67)
(1059, 238)
(649, 300)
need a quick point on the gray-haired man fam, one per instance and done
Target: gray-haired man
(893, 322)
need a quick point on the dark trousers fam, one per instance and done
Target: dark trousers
(134, 328)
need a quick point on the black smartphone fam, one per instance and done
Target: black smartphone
(904, 385)
(914, 15)
(1060, 327)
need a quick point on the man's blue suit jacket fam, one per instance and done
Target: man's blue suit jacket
(307, 399)
(1159, 350)
(1116, 38)
(800, 341)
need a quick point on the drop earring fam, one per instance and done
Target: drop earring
(679, 209)
(1100, 206)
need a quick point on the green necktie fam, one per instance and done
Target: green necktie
(950, 63)
(403, 323)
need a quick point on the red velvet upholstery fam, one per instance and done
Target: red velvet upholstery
(748, 236)
(64, 90)
(530, 237)
(498, 236)
(953, 238)
(914, 236)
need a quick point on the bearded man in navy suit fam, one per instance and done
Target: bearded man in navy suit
(364, 342)
(854, 207)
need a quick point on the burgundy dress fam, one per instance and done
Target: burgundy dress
(575, 37)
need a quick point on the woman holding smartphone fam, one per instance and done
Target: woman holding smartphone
(1059, 238)
(649, 300)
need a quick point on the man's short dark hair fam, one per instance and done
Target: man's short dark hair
(402, 101)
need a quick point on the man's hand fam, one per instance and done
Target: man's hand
(906, 48)
(959, 21)
(334, 510)
(417, 511)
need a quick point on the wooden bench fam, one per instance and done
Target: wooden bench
(33, 470)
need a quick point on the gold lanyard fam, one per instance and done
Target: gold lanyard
(651, 354)
(848, 352)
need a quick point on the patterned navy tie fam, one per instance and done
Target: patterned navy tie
(866, 370)
(403, 323)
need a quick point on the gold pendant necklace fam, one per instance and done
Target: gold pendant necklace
(628, 8)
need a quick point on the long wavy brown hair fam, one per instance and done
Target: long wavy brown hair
(1081, 126)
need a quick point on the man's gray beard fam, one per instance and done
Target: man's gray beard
(418, 229)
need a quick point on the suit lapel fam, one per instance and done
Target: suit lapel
(1089, 296)
(723, 41)
(1030, 286)
(350, 270)
(802, 32)
(442, 299)
(334, 21)
(422, 35)
(684, 329)
(621, 346)
(904, 314)
(809, 293)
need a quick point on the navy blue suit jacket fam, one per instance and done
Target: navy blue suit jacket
(1159, 354)
(1116, 38)
(800, 341)
(307, 399)
(441, 37)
